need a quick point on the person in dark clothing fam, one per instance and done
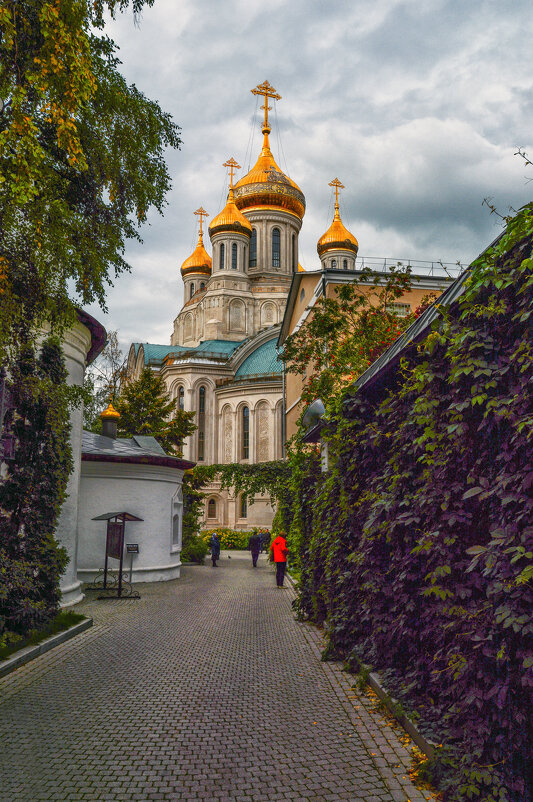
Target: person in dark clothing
(278, 554)
(254, 545)
(265, 539)
(214, 544)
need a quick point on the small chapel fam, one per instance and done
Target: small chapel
(222, 360)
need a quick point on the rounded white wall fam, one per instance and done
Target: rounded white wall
(150, 492)
(76, 343)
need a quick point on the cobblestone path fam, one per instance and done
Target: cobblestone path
(206, 688)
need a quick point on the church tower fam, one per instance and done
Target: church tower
(338, 247)
(196, 270)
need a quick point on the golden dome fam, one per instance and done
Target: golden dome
(110, 413)
(199, 261)
(266, 185)
(230, 219)
(337, 237)
(300, 268)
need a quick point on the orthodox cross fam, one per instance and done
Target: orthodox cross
(201, 212)
(232, 165)
(268, 91)
(337, 184)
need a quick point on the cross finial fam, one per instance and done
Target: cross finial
(232, 165)
(268, 91)
(337, 184)
(201, 212)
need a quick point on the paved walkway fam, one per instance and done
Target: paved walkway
(206, 688)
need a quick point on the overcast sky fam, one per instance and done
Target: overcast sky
(416, 105)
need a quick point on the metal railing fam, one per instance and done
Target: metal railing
(418, 266)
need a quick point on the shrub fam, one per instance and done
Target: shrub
(194, 550)
(230, 538)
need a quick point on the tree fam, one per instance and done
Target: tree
(80, 161)
(102, 382)
(345, 334)
(146, 408)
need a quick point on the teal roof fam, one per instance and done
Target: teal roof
(261, 361)
(156, 353)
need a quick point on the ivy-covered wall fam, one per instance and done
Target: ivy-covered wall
(416, 548)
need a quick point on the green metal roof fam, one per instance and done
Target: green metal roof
(156, 353)
(261, 361)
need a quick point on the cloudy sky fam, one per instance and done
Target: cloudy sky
(416, 105)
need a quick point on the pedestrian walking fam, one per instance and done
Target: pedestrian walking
(265, 539)
(254, 545)
(214, 543)
(278, 555)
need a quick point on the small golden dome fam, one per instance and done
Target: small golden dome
(230, 219)
(300, 268)
(337, 237)
(110, 413)
(199, 261)
(266, 185)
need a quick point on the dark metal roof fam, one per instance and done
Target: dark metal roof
(124, 516)
(139, 449)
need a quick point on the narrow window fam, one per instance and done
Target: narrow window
(244, 507)
(221, 262)
(191, 291)
(245, 432)
(294, 265)
(334, 263)
(211, 508)
(345, 264)
(202, 285)
(201, 424)
(181, 397)
(276, 238)
(253, 248)
(234, 256)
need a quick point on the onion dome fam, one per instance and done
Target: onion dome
(337, 237)
(110, 413)
(230, 219)
(199, 261)
(300, 268)
(267, 186)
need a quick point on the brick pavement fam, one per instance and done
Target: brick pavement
(205, 689)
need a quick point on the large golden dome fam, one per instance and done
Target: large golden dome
(199, 261)
(267, 186)
(230, 219)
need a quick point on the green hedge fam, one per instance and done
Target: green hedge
(231, 538)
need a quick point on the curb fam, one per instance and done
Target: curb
(426, 746)
(31, 652)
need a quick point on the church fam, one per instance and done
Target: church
(222, 360)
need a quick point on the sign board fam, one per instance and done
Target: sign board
(132, 548)
(115, 540)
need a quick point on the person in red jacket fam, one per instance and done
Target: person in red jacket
(278, 555)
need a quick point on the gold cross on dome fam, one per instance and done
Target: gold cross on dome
(201, 212)
(268, 91)
(337, 184)
(232, 165)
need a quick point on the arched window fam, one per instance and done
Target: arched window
(345, 264)
(294, 260)
(245, 432)
(201, 424)
(191, 291)
(181, 397)
(276, 240)
(221, 260)
(244, 507)
(211, 508)
(202, 285)
(234, 256)
(334, 263)
(253, 248)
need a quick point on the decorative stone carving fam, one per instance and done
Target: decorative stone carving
(236, 316)
(227, 433)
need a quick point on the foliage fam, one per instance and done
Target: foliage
(102, 382)
(194, 550)
(31, 495)
(417, 546)
(81, 160)
(230, 538)
(251, 480)
(11, 641)
(346, 333)
(146, 408)
(193, 505)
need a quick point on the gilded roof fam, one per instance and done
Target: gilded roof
(199, 261)
(230, 219)
(266, 185)
(337, 237)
